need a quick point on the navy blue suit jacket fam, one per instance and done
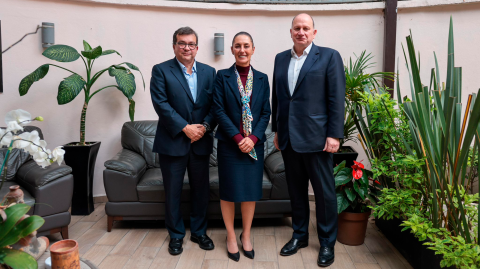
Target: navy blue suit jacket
(173, 102)
(227, 105)
(316, 110)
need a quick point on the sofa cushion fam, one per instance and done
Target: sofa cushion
(138, 136)
(150, 187)
(274, 163)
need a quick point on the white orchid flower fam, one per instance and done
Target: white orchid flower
(28, 141)
(7, 137)
(14, 127)
(20, 116)
(58, 154)
(42, 158)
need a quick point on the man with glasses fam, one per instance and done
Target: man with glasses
(181, 90)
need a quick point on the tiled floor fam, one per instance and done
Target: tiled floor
(144, 245)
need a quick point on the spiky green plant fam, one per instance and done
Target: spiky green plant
(71, 86)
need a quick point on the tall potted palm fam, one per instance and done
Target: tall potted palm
(81, 155)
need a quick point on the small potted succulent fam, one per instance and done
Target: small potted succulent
(355, 189)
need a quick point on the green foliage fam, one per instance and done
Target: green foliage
(71, 86)
(354, 193)
(393, 203)
(12, 230)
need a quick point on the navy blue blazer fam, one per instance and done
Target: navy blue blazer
(173, 102)
(316, 109)
(227, 105)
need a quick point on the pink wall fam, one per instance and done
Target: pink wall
(143, 36)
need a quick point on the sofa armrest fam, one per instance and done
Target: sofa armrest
(274, 163)
(275, 168)
(35, 176)
(127, 162)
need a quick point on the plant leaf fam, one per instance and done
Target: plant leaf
(339, 167)
(350, 194)
(359, 190)
(343, 177)
(69, 88)
(125, 80)
(17, 259)
(61, 53)
(21, 230)
(35, 76)
(342, 202)
(131, 109)
(14, 213)
(107, 52)
(92, 54)
(134, 67)
(86, 46)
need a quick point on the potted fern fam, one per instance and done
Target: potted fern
(81, 155)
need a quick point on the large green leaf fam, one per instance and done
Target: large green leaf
(22, 229)
(61, 53)
(35, 76)
(134, 67)
(339, 167)
(107, 52)
(350, 194)
(125, 81)
(359, 190)
(131, 109)
(92, 54)
(69, 88)
(343, 177)
(14, 213)
(342, 202)
(17, 259)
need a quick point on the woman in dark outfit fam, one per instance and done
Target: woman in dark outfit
(242, 109)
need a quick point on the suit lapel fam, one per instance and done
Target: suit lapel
(257, 89)
(200, 81)
(312, 57)
(285, 64)
(232, 83)
(178, 73)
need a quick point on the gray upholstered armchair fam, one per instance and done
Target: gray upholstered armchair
(134, 185)
(47, 190)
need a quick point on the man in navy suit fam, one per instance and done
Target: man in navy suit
(181, 91)
(308, 116)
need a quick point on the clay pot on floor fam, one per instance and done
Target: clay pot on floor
(352, 228)
(65, 254)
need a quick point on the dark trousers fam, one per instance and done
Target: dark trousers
(173, 171)
(318, 168)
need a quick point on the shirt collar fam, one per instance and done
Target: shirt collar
(184, 68)
(305, 51)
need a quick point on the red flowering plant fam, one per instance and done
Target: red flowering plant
(355, 188)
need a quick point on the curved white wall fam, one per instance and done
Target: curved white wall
(143, 35)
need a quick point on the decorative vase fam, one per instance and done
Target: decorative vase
(15, 195)
(82, 161)
(352, 228)
(65, 254)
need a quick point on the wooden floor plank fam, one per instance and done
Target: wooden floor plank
(168, 262)
(367, 266)
(113, 262)
(220, 250)
(290, 262)
(101, 224)
(75, 219)
(265, 265)
(97, 253)
(265, 248)
(142, 258)
(112, 238)
(90, 237)
(214, 264)
(79, 229)
(155, 238)
(388, 261)
(96, 215)
(244, 263)
(360, 254)
(129, 243)
(191, 258)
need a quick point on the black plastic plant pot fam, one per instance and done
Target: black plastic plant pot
(82, 161)
(346, 153)
(417, 254)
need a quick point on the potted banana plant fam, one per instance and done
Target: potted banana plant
(81, 155)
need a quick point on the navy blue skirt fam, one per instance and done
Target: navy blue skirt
(240, 176)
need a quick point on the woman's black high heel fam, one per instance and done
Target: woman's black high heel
(249, 254)
(233, 256)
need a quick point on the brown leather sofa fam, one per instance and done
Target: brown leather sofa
(47, 190)
(134, 186)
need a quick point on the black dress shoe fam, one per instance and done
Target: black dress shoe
(326, 256)
(249, 254)
(293, 246)
(203, 241)
(233, 256)
(175, 246)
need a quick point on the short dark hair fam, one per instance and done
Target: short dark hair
(313, 21)
(184, 31)
(242, 33)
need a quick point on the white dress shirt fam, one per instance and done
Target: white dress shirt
(295, 66)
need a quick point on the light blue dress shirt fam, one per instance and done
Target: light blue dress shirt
(191, 79)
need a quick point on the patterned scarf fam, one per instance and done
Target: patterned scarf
(247, 117)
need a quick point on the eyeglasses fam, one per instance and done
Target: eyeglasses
(183, 45)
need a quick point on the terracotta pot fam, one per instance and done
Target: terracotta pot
(15, 195)
(352, 228)
(65, 255)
